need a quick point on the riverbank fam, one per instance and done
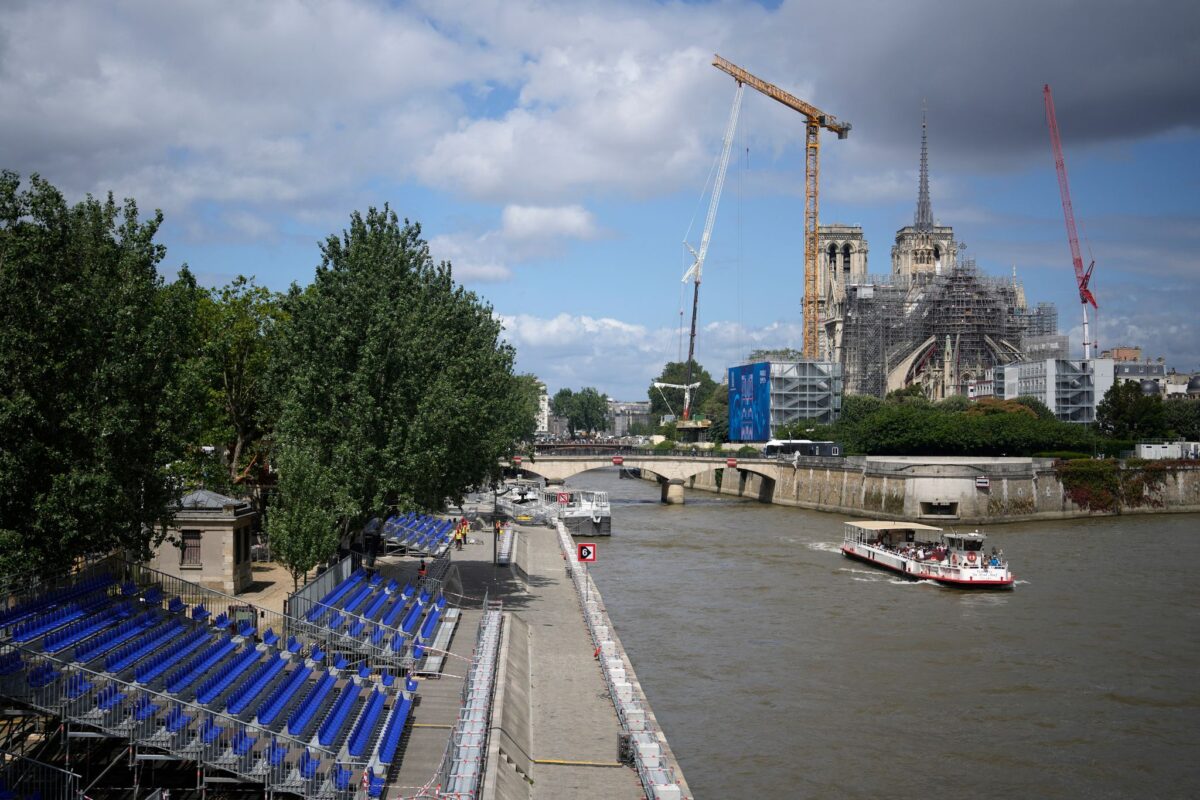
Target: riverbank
(962, 490)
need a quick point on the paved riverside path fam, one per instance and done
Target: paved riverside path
(572, 718)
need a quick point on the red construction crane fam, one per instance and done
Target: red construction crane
(1082, 276)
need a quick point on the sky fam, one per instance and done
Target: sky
(558, 153)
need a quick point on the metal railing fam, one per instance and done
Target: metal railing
(183, 729)
(27, 777)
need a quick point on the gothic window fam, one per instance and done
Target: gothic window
(846, 251)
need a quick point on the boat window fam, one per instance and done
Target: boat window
(973, 545)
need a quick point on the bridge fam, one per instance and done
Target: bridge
(672, 469)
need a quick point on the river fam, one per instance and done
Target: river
(778, 668)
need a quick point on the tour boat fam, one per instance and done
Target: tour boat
(922, 552)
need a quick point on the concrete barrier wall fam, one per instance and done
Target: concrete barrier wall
(509, 738)
(520, 561)
(1019, 489)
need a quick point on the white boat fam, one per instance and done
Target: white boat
(922, 552)
(582, 511)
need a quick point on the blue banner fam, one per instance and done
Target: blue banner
(750, 403)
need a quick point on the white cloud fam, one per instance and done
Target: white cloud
(542, 222)
(621, 358)
(475, 259)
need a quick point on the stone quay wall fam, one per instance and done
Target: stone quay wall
(929, 488)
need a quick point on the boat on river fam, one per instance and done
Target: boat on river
(583, 512)
(925, 553)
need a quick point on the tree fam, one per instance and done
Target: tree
(94, 397)
(585, 410)
(563, 405)
(670, 401)
(1040, 409)
(857, 407)
(1182, 416)
(591, 409)
(238, 324)
(1126, 413)
(391, 377)
(716, 409)
(303, 524)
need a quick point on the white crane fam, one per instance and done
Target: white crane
(696, 271)
(687, 394)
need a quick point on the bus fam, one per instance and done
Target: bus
(786, 448)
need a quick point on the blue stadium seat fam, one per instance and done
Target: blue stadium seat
(270, 709)
(302, 717)
(331, 728)
(243, 698)
(361, 735)
(390, 739)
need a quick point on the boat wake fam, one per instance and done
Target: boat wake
(825, 547)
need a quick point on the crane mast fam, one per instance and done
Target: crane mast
(1082, 276)
(815, 119)
(696, 271)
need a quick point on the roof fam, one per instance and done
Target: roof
(204, 500)
(885, 525)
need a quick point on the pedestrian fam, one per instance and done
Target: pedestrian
(459, 533)
(421, 570)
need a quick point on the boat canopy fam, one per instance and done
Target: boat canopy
(888, 525)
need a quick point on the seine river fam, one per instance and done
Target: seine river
(780, 669)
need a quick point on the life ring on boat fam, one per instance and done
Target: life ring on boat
(971, 557)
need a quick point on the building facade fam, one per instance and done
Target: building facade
(212, 540)
(1072, 389)
(768, 395)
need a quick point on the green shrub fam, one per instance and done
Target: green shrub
(666, 444)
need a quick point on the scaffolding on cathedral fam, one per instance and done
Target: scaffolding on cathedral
(942, 331)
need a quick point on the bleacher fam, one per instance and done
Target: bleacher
(406, 622)
(136, 660)
(419, 534)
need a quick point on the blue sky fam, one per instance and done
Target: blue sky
(557, 153)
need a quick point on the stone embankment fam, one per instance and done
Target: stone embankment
(965, 490)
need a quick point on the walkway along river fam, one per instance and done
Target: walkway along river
(777, 668)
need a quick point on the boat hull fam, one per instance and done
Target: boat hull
(922, 571)
(587, 526)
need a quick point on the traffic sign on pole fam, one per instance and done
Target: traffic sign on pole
(587, 552)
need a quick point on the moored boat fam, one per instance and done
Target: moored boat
(923, 552)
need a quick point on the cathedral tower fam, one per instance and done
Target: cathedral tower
(924, 247)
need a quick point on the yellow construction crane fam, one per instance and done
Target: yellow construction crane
(816, 119)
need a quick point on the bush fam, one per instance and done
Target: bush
(666, 444)
(749, 452)
(1061, 455)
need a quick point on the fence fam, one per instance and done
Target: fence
(26, 777)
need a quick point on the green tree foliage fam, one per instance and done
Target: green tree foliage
(1040, 409)
(676, 372)
(308, 504)
(1126, 413)
(392, 378)
(563, 405)
(716, 408)
(236, 325)
(586, 410)
(984, 428)
(1182, 416)
(95, 396)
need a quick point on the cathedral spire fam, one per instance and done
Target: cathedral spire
(924, 216)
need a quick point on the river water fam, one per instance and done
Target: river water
(778, 668)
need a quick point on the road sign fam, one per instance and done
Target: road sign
(564, 498)
(587, 552)
(618, 461)
(516, 459)
(731, 462)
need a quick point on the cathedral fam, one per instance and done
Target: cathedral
(934, 320)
